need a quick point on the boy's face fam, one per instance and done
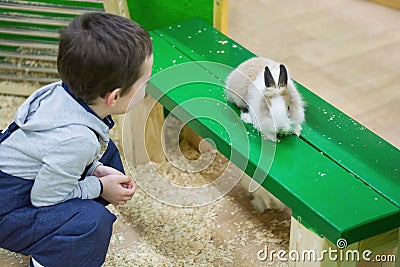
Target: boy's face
(137, 92)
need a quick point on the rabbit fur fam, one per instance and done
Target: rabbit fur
(267, 97)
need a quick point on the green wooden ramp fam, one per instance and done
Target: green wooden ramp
(339, 178)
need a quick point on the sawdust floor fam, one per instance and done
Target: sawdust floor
(227, 232)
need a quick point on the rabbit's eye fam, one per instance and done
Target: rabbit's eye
(288, 108)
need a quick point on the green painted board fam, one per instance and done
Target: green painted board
(153, 14)
(326, 196)
(348, 143)
(353, 146)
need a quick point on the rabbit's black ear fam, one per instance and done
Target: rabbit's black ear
(283, 77)
(268, 79)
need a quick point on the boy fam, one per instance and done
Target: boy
(54, 178)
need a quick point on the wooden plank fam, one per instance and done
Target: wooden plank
(334, 134)
(153, 14)
(75, 1)
(38, 20)
(81, 3)
(28, 55)
(29, 32)
(390, 3)
(28, 69)
(307, 249)
(353, 146)
(27, 78)
(307, 165)
(87, 1)
(141, 133)
(53, 46)
(221, 15)
(380, 243)
(44, 9)
(118, 7)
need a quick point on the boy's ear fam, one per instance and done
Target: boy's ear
(112, 96)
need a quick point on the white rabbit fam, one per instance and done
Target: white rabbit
(269, 100)
(267, 97)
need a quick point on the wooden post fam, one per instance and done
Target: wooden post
(389, 3)
(221, 15)
(141, 133)
(303, 241)
(140, 129)
(117, 7)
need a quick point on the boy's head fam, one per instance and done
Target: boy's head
(99, 52)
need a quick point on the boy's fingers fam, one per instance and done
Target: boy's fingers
(129, 192)
(120, 178)
(128, 185)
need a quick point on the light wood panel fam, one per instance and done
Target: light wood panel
(390, 3)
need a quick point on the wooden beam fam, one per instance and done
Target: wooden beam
(45, 8)
(27, 69)
(304, 242)
(28, 55)
(52, 46)
(221, 15)
(117, 7)
(313, 250)
(140, 132)
(389, 3)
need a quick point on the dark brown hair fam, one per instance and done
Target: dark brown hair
(99, 52)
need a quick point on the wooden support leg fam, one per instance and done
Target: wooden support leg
(221, 15)
(141, 133)
(118, 7)
(195, 140)
(310, 250)
(382, 247)
(306, 246)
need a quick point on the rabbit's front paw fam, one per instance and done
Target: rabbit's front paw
(258, 204)
(297, 130)
(246, 117)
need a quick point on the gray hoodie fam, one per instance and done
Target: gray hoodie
(57, 139)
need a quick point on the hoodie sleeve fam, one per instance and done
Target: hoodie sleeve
(58, 178)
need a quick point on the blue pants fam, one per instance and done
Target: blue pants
(74, 233)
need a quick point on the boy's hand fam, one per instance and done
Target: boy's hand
(118, 189)
(102, 170)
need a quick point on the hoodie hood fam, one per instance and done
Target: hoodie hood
(53, 107)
